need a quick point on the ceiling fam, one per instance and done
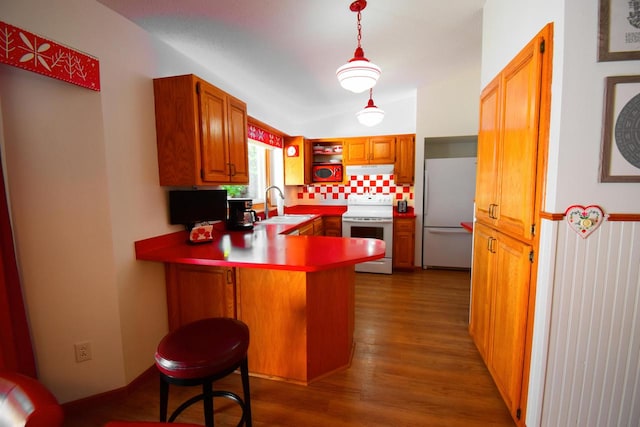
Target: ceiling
(288, 50)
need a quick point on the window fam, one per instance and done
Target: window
(257, 172)
(266, 167)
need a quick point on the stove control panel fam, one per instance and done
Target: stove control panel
(370, 200)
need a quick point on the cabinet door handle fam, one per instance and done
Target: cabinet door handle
(492, 211)
(229, 276)
(232, 169)
(492, 247)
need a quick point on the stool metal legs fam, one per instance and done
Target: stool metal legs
(207, 396)
(244, 373)
(164, 398)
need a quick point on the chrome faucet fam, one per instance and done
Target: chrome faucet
(266, 195)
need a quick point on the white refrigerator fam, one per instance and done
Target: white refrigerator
(449, 192)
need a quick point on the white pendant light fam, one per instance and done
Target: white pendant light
(359, 74)
(370, 115)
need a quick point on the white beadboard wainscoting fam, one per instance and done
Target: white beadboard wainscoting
(593, 364)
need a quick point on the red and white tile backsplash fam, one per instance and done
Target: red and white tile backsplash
(358, 184)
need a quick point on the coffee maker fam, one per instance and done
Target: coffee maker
(241, 214)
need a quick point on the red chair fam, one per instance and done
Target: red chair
(25, 402)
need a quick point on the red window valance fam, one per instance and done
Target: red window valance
(264, 136)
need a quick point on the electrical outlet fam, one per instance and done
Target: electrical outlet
(83, 351)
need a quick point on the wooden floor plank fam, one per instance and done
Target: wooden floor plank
(414, 364)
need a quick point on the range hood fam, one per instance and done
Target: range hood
(369, 170)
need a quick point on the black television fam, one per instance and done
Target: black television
(189, 207)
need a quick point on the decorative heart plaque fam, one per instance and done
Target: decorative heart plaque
(584, 220)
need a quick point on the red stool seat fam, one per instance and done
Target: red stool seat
(200, 353)
(203, 348)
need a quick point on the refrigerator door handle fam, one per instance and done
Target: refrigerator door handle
(452, 230)
(425, 202)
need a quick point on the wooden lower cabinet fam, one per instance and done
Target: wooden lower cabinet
(481, 288)
(318, 227)
(306, 229)
(499, 308)
(197, 292)
(333, 226)
(404, 235)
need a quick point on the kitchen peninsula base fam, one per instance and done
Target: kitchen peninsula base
(301, 323)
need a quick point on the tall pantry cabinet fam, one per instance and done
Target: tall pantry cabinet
(512, 147)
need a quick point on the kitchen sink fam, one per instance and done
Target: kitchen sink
(286, 219)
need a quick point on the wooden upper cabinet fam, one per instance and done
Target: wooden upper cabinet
(520, 106)
(297, 162)
(238, 142)
(405, 159)
(507, 145)
(488, 145)
(201, 133)
(369, 151)
(356, 151)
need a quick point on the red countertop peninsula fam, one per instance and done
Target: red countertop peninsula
(296, 293)
(266, 246)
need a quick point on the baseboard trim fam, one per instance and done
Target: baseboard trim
(112, 394)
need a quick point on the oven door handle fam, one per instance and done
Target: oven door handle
(367, 221)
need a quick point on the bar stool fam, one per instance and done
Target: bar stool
(146, 424)
(200, 353)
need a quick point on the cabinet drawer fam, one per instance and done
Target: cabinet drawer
(333, 226)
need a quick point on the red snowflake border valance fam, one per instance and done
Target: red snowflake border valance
(264, 136)
(26, 50)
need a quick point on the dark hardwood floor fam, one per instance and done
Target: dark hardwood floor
(414, 365)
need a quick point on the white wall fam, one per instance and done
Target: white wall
(580, 132)
(400, 117)
(55, 166)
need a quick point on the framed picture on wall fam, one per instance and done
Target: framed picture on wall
(620, 151)
(619, 30)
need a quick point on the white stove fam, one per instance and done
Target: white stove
(371, 216)
(369, 207)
